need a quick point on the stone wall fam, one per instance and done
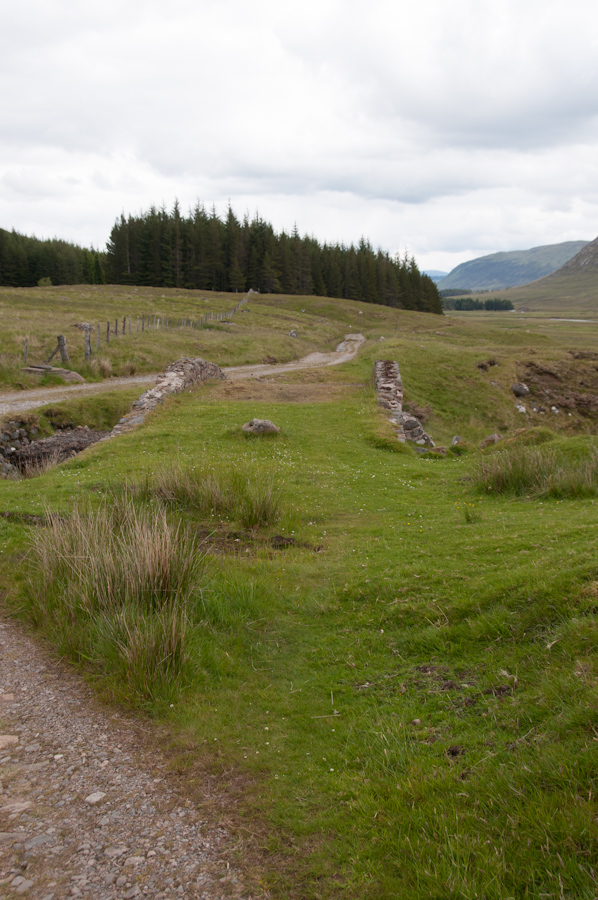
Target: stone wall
(389, 390)
(179, 376)
(14, 435)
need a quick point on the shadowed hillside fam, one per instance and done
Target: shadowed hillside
(502, 270)
(573, 289)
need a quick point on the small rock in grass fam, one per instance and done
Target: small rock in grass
(416, 722)
(95, 797)
(260, 426)
(520, 389)
(493, 439)
(8, 740)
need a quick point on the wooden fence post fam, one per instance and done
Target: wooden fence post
(98, 339)
(62, 348)
(116, 327)
(129, 324)
(107, 332)
(87, 345)
(26, 352)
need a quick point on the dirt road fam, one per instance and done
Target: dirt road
(21, 401)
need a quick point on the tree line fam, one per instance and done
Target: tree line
(27, 261)
(493, 304)
(206, 252)
(203, 251)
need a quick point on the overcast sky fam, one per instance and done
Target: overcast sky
(451, 129)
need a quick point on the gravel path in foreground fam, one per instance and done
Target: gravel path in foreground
(87, 806)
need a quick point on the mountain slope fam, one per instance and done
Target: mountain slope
(501, 270)
(571, 290)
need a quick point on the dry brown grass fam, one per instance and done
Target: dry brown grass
(102, 366)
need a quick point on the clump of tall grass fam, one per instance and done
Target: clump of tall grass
(541, 471)
(116, 586)
(253, 499)
(128, 368)
(101, 366)
(34, 469)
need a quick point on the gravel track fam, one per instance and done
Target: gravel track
(21, 401)
(87, 805)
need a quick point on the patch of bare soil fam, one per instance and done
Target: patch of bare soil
(248, 542)
(91, 807)
(279, 392)
(570, 385)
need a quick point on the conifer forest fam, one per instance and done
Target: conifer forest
(207, 252)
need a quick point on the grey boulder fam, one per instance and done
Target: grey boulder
(520, 389)
(260, 426)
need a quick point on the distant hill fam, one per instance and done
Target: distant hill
(435, 274)
(502, 270)
(570, 291)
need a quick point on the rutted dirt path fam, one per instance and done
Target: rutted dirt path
(21, 401)
(88, 807)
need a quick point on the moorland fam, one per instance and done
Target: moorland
(388, 656)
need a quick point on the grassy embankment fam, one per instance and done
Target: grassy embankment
(406, 686)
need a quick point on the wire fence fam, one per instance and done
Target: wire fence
(131, 324)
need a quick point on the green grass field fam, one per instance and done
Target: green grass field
(395, 676)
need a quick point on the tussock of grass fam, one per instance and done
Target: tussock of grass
(253, 499)
(114, 586)
(541, 471)
(40, 467)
